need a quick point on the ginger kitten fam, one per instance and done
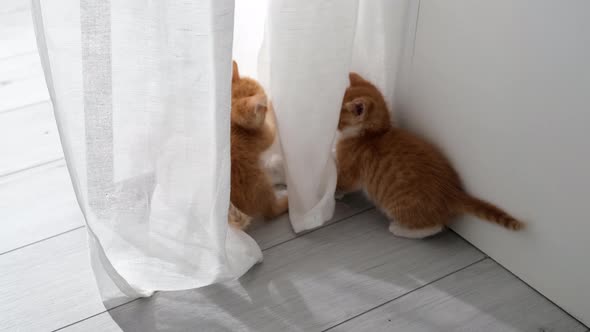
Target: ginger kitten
(252, 189)
(406, 177)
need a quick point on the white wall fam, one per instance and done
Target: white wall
(503, 87)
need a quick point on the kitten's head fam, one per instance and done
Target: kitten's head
(363, 108)
(243, 87)
(248, 101)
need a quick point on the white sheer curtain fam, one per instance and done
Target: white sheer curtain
(141, 93)
(308, 49)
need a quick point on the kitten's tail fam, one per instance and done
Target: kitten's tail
(489, 212)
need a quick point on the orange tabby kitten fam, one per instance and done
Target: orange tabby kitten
(252, 190)
(406, 177)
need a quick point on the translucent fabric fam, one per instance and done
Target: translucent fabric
(141, 94)
(309, 47)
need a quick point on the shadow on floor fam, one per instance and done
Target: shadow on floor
(333, 274)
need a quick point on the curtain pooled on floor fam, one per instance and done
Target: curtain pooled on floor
(141, 94)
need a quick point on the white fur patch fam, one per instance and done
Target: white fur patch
(349, 132)
(272, 163)
(401, 231)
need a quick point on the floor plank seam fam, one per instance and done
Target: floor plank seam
(16, 109)
(465, 240)
(517, 277)
(41, 240)
(18, 54)
(539, 293)
(28, 168)
(15, 11)
(122, 304)
(406, 294)
(321, 227)
(99, 313)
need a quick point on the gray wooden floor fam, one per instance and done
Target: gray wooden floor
(351, 275)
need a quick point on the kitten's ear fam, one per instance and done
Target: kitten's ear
(358, 106)
(235, 75)
(356, 79)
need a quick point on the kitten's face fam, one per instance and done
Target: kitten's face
(363, 107)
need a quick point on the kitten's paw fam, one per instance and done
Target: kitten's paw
(400, 231)
(237, 218)
(280, 206)
(339, 195)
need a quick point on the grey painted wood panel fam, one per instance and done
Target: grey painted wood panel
(483, 297)
(20, 67)
(307, 284)
(28, 137)
(35, 205)
(268, 234)
(61, 262)
(21, 81)
(17, 35)
(47, 285)
(8, 6)
(24, 92)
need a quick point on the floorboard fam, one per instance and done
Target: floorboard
(269, 234)
(482, 297)
(22, 93)
(28, 138)
(16, 35)
(47, 285)
(37, 204)
(19, 67)
(307, 284)
(9, 6)
(61, 263)
(21, 82)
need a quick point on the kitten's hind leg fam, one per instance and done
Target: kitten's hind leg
(417, 233)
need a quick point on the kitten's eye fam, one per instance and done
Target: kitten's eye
(359, 108)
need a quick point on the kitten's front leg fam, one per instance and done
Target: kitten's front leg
(347, 183)
(348, 175)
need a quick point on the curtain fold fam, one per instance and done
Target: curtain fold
(141, 95)
(308, 50)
